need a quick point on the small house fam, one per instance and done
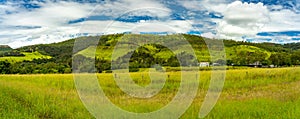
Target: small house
(255, 64)
(204, 64)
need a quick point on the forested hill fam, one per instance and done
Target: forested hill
(4, 48)
(57, 57)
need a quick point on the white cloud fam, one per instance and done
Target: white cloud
(209, 5)
(109, 27)
(192, 5)
(52, 19)
(242, 19)
(118, 8)
(283, 20)
(23, 37)
(50, 22)
(215, 5)
(50, 14)
(208, 35)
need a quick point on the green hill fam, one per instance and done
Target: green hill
(12, 56)
(57, 57)
(104, 50)
(106, 45)
(5, 48)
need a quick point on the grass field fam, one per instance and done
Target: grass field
(248, 93)
(28, 57)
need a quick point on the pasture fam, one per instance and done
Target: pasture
(247, 93)
(27, 57)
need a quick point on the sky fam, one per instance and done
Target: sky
(28, 22)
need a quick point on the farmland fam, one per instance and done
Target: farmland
(247, 93)
(28, 57)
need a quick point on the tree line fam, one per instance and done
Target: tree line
(141, 59)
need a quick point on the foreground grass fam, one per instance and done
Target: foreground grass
(247, 93)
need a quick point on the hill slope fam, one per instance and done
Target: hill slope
(57, 57)
(5, 48)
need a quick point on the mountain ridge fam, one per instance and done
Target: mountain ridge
(58, 57)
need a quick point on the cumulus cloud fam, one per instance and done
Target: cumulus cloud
(215, 5)
(49, 23)
(242, 19)
(110, 27)
(283, 20)
(46, 24)
(204, 14)
(206, 5)
(20, 26)
(208, 35)
(118, 8)
(50, 14)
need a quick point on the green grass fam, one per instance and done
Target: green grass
(232, 51)
(40, 96)
(247, 93)
(28, 57)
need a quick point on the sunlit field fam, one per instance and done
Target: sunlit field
(247, 93)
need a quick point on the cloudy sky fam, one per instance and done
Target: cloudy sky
(25, 22)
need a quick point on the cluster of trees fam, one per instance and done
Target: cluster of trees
(145, 58)
(37, 66)
(272, 47)
(281, 55)
(245, 57)
(12, 53)
(140, 58)
(285, 59)
(50, 66)
(277, 59)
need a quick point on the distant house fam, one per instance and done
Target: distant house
(255, 64)
(204, 64)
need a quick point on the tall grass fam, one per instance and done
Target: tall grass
(247, 93)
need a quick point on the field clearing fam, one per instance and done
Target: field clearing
(247, 93)
(28, 57)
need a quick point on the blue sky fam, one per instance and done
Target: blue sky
(26, 22)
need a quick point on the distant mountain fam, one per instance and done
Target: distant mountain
(5, 48)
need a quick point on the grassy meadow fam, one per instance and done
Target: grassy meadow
(247, 93)
(27, 57)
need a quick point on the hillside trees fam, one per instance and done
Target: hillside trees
(295, 58)
(244, 57)
(281, 59)
(4, 67)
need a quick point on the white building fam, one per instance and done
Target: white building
(204, 64)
